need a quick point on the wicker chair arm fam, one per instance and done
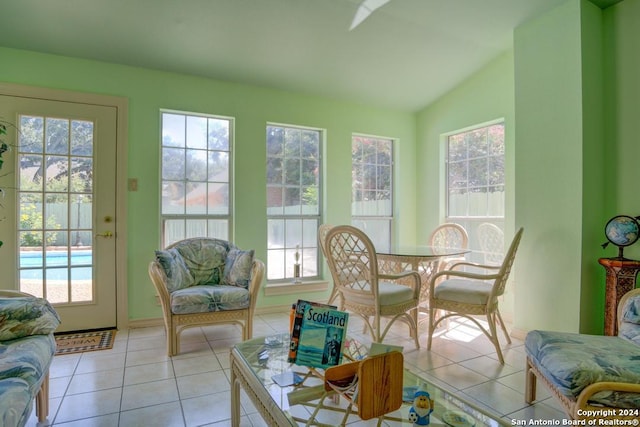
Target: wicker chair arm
(159, 278)
(412, 274)
(473, 265)
(464, 274)
(586, 394)
(257, 273)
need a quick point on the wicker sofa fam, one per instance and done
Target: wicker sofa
(594, 377)
(27, 347)
(203, 281)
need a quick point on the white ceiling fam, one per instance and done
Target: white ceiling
(404, 56)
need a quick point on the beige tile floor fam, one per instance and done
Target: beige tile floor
(137, 384)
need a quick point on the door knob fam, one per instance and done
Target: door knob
(107, 234)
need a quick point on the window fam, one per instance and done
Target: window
(293, 201)
(196, 171)
(372, 188)
(475, 178)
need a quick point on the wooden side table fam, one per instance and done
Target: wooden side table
(621, 278)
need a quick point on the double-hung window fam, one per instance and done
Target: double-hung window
(293, 201)
(372, 188)
(196, 176)
(476, 178)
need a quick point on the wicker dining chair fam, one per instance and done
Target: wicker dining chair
(469, 293)
(323, 230)
(445, 237)
(491, 239)
(367, 292)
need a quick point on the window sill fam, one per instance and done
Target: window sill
(275, 289)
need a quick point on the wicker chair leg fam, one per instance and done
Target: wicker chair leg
(530, 384)
(42, 400)
(504, 328)
(174, 342)
(493, 336)
(432, 326)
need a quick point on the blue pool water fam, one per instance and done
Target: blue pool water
(59, 266)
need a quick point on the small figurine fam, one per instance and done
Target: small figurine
(421, 409)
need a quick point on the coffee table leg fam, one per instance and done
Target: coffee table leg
(235, 397)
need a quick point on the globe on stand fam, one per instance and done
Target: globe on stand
(622, 231)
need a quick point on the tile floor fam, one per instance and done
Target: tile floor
(137, 384)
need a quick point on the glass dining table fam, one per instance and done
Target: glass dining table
(426, 260)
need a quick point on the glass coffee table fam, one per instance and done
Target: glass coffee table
(261, 368)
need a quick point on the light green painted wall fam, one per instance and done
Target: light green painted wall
(622, 80)
(148, 91)
(549, 169)
(593, 176)
(550, 91)
(486, 96)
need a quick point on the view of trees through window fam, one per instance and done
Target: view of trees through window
(371, 188)
(196, 187)
(475, 185)
(293, 201)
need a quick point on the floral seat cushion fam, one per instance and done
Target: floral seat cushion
(204, 299)
(16, 401)
(23, 365)
(630, 326)
(574, 361)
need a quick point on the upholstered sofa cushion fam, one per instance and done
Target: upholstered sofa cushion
(16, 402)
(237, 268)
(23, 316)
(178, 276)
(203, 299)
(574, 361)
(23, 365)
(194, 262)
(630, 326)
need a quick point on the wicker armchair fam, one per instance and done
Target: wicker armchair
(447, 236)
(366, 292)
(323, 230)
(491, 239)
(204, 281)
(469, 293)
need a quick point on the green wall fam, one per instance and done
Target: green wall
(560, 91)
(486, 96)
(622, 101)
(149, 91)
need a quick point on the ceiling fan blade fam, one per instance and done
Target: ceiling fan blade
(366, 8)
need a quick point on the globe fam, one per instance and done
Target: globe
(622, 230)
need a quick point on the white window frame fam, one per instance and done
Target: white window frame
(206, 223)
(363, 221)
(471, 222)
(307, 246)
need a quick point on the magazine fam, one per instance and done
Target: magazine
(321, 337)
(297, 323)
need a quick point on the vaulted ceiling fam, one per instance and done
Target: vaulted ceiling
(404, 55)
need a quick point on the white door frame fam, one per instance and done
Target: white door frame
(121, 105)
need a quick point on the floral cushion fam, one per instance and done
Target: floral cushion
(178, 276)
(194, 262)
(204, 299)
(630, 326)
(574, 361)
(237, 268)
(23, 364)
(23, 316)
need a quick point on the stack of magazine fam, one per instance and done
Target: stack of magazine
(318, 335)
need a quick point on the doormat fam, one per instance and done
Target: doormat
(79, 342)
